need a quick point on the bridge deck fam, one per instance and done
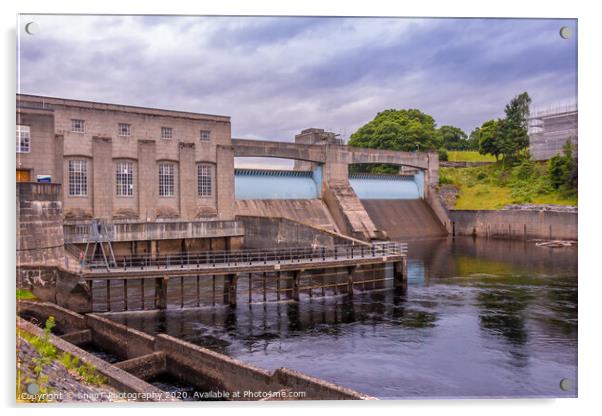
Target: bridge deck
(246, 261)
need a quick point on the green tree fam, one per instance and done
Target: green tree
(562, 168)
(452, 138)
(473, 139)
(488, 136)
(513, 135)
(405, 130)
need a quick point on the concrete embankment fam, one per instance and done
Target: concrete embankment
(118, 379)
(515, 224)
(401, 219)
(265, 232)
(146, 356)
(310, 211)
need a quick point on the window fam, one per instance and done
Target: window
(205, 180)
(166, 179)
(124, 178)
(78, 178)
(205, 135)
(78, 126)
(23, 139)
(166, 132)
(124, 129)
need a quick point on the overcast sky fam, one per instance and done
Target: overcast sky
(278, 75)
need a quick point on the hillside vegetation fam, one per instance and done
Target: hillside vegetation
(495, 186)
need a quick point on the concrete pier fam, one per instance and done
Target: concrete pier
(161, 292)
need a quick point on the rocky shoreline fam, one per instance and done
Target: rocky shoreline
(62, 385)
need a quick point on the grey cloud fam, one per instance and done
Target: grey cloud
(276, 76)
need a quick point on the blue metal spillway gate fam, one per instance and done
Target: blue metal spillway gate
(288, 184)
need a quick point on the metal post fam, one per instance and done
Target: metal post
(142, 292)
(181, 291)
(198, 290)
(109, 295)
(125, 294)
(213, 288)
(250, 288)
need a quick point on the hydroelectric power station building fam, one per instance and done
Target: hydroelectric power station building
(165, 180)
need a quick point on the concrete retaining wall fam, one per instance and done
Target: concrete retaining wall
(210, 370)
(66, 320)
(234, 375)
(515, 224)
(201, 367)
(118, 339)
(264, 232)
(117, 378)
(309, 211)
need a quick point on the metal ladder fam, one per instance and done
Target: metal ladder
(99, 235)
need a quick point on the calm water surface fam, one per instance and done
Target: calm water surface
(481, 318)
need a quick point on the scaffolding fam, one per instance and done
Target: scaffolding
(550, 128)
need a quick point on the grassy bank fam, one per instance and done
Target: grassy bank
(468, 156)
(23, 294)
(495, 186)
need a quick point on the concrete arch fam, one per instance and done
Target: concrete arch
(390, 157)
(283, 150)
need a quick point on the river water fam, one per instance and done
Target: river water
(481, 318)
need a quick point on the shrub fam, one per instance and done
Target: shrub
(443, 155)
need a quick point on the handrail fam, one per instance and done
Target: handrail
(255, 256)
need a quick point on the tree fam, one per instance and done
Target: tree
(562, 168)
(406, 130)
(452, 138)
(513, 135)
(488, 138)
(473, 139)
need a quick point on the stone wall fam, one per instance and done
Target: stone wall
(513, 224)
(39, 223)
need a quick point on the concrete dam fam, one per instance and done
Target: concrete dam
(395, 203)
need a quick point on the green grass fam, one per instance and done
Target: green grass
(468, 156)
(493, 187)
(23, 294)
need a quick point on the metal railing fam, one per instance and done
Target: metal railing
(79, 232)
(254, 257)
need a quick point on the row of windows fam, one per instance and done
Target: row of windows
(125, 130)
(124, 179)
(78, 126)
(23, 139)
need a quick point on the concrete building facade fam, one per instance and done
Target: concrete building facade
(124, 162)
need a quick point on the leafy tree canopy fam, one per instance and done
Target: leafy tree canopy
(452, 138)
(405, 130)
(488, 135)
(513, 135)
(473, 139)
